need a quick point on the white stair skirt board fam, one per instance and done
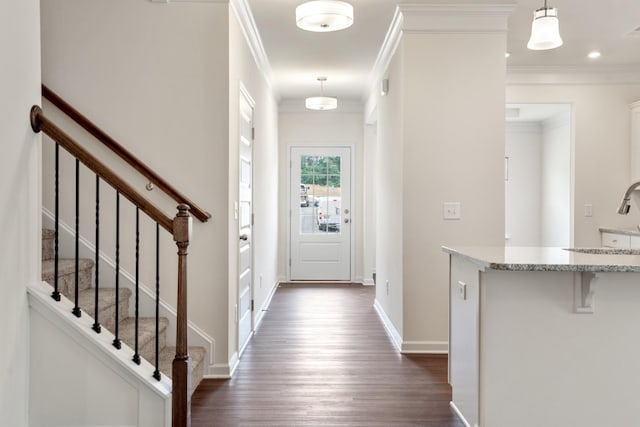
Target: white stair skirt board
(54, 323)
(195, 335)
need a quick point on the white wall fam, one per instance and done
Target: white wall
(389, 196)
(369, 192)
(556, 181)
(431, 151)
(523, 188)
(601, 150)
(318, 128)
(156, 77)
(243, 70)
(20, 199)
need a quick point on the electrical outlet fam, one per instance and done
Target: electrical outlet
(451, 210)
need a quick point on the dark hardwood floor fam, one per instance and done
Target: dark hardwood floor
(322, 358)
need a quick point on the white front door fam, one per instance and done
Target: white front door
(245, 222)
(320, 194)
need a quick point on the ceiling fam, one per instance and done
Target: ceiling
(347, 57)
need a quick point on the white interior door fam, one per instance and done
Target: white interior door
(245, 223)
(320, 194)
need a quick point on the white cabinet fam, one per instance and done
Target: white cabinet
(613, 240)
(635, 142)
(620, 240)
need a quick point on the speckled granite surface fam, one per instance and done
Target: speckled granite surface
(625, 231)
(550, 259)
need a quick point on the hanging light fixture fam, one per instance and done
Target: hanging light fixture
(324, 15)
(545, 29)
(321, 102)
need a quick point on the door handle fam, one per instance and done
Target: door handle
(346, 220)
(244, 237)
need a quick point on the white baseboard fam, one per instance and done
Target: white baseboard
(425, 347)
(265, 306)
(222, 371)
(459, 414)
(409, 347)
(393, 333)
(368, 282)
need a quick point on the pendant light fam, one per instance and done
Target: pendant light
(545, 29)
(321, 102)
(324, 15)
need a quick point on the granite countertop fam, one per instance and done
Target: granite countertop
(626, 231)
(551, 259)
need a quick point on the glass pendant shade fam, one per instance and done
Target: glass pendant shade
(545, 30)
(324, 15)
(321, 103)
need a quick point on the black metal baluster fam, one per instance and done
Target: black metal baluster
(56, 291)
(76, 309)
(136, 356)
(96, 323)
(116, 341)
(156, 373)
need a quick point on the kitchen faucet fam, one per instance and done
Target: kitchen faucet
(625, 204)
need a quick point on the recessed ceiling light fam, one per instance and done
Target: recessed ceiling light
(507, 54)
(593, 55)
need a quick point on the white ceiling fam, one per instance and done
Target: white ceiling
(346, 57)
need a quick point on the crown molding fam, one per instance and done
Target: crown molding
(386, 52)
(456, 18)
(437, 18)
(573, 75)
(251, 34)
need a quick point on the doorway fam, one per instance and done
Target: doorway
(245, 221)
(538, 175)
(320, 213)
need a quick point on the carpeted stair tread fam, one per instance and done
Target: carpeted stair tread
(197, 354)
(106, 305)
(66, 272)
(146, 335)
(107, 299)
(47, 243)
(65, 266)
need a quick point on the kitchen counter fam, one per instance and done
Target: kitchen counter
(551, 259)
(544, 336)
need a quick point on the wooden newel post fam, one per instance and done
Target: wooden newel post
(181, 375)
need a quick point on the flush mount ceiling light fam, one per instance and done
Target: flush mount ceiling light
(321, 102)
(324, 15)
(545, 29)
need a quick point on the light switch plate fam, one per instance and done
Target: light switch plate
(588, 210)
(451, 210)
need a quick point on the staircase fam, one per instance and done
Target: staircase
(107, 311)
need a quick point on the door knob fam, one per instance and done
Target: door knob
(346, 220)
(244, 237)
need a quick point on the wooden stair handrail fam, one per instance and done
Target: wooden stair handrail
(123, 153)
(41, 123)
